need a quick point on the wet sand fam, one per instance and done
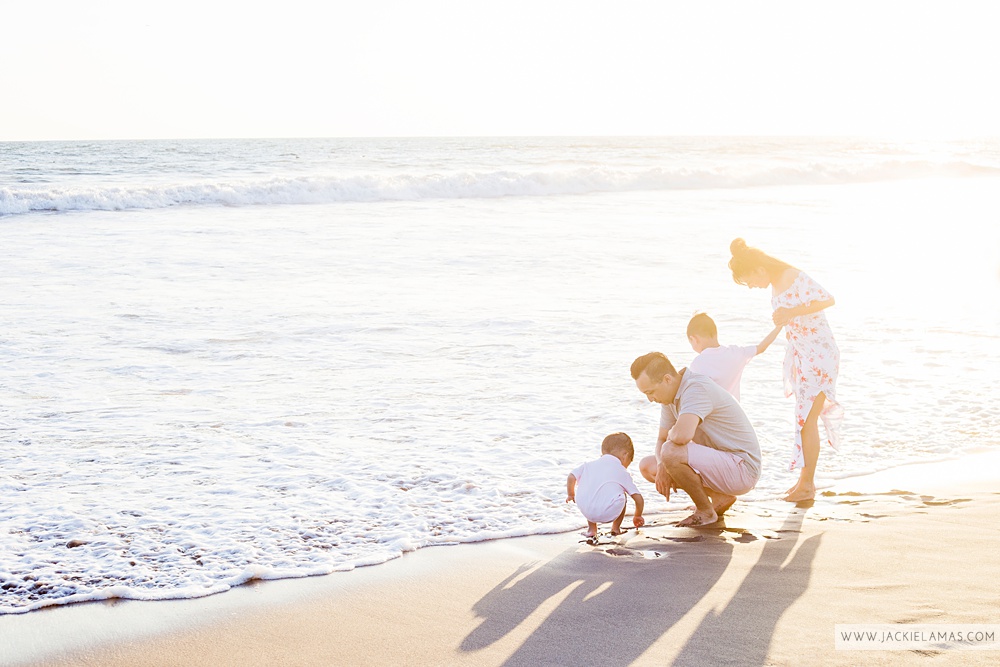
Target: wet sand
(765, 587)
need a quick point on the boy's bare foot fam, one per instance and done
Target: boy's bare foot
(801, 492)
(700, 518)
(721, 502)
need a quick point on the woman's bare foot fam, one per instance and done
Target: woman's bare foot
(801, 492)
(700, 518)
(795, 487)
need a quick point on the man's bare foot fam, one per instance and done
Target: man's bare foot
(721, 502)
(801, 492)
(700, 518)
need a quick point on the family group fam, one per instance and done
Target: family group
(706, 445)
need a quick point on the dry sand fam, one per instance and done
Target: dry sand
(913, 545)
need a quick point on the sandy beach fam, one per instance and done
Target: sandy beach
(910, 545)
(312, 312)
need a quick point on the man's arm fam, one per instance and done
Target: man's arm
(661, 437)
(663, 480)
(683, 431)
(680, 434)
(770, 338)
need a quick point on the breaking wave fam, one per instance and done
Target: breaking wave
(457, 185)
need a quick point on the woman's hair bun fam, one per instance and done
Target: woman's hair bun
(737, 246)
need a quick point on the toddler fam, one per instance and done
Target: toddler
(599, 487)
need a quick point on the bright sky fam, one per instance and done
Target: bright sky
(106, 69)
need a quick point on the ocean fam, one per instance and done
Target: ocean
(257, 359)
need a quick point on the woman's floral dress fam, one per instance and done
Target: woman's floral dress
(812, 360)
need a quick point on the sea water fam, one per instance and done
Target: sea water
(228, 360)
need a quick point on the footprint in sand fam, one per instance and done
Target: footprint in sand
(641, 553)
(619, 551)
(745, 538)
(941, 503)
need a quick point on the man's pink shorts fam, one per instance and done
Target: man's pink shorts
(721, 471)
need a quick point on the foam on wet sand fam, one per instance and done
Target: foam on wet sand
(909, 545)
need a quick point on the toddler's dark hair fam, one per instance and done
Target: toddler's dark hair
(618, 443)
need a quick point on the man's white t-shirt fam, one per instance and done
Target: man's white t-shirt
(725, 365)
(601, 486)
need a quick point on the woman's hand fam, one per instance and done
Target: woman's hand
(782, 316)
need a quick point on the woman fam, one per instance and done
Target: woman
(812, 358)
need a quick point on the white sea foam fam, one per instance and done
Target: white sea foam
(376, 187)
(209, 395)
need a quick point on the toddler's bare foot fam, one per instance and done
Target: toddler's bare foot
(700, 518)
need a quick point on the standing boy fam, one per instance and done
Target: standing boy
(724, 364)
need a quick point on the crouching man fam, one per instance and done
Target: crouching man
(706, 445)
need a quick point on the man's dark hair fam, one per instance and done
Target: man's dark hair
(655, 365)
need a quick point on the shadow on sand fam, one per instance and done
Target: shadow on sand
(610, 613)
(771, 586)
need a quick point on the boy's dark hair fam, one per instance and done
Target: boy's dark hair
(618, 443)
(655, 364)
(702, 325)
